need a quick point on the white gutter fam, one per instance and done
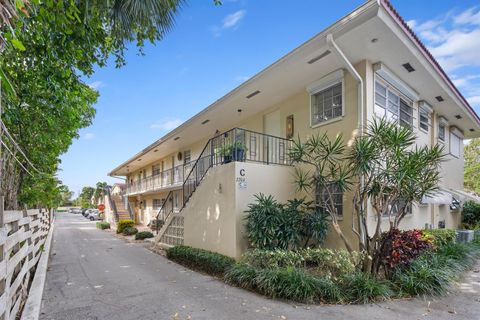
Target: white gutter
(334, 48)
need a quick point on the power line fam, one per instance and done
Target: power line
(15, 157)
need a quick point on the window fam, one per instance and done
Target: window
(156, 204)
(441, 131)
(187, 156)
(395, 208)
(327, 104)
(322, 197)
(455, 145)
(391, 106)
(156, 170)
(424, 119)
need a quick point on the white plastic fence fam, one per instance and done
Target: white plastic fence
(22, 236)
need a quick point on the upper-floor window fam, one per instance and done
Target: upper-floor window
(391, 105)
(455, 145)
(327, 104)
(441, 131)
(424, 119)
(187, 156)
(156, 170)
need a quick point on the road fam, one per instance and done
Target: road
(94, 275)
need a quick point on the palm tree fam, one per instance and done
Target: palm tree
(99, 191)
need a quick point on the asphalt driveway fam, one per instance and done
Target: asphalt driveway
(94, 275)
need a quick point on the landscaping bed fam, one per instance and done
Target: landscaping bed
(335, 276)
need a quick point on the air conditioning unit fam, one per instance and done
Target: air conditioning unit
(465, 236)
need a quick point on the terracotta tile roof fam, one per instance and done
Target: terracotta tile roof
(403, 24)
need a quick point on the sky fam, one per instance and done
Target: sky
(213, 49)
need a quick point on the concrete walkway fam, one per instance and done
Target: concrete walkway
(94, 275)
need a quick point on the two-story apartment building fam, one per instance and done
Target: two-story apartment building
(201, 176)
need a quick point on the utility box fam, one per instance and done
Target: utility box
(465, 236)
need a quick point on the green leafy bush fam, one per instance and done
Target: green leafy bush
(287, 283)
(441, 237)
(143, 235)
(332, 263)
(360, 287)
(433, 273)
(202, 260)
(273, 258)
(321, 262)
(103, 225)
(122, 224)
(242, 275)
(272, 225)
(401, 248)
(129, 231)
(471, 214)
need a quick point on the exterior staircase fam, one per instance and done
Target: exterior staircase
(122, 212)
(229, 146)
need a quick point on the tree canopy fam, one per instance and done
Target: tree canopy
(47, 51)
(472, 165)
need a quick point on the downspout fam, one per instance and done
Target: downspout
(360, 101)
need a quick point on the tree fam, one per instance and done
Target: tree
(85, 197)
(472, 165)
(99, 191)
(47, 101)
(385, 171)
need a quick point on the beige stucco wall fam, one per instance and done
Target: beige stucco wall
(214, 215)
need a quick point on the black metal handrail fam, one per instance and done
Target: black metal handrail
(236, 145)
(166, 209)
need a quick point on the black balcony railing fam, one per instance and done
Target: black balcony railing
(236, 145)
(165, 179)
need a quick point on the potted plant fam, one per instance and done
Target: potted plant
(233, 151)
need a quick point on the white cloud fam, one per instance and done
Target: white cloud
(474, 100)
(233, 19)
(89, 136)
(96, 85)
(454, 38)
(166, 124)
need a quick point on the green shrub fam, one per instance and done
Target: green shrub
(262, 259)
(441, 237)
(129, 231)
(433, 273)
(471, 213)
(202, 260)
(363, 288)
(332, 263)
(321, 262)
(290, 283)
(271, 225)
(143, 235)
(103, 225)
(242, 275)
(122, 224)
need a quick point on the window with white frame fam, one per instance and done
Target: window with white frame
(156, 170)
(389, 104)
(323, 196)
(441, 131)
(187, 156)
(455, 145)
(157, 204)
(424, 119)
(327, 104)
(397, 206)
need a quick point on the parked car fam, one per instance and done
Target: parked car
(84, 212)
(94, 215)
(77, 211)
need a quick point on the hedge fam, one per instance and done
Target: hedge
(202, 260)
(441, 237)
(129, 231)
(103, 225)
(143, 235)
(122, 224)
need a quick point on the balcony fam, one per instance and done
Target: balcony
(168, 179)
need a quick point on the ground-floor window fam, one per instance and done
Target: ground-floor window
(323, 194)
